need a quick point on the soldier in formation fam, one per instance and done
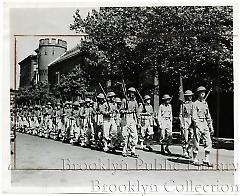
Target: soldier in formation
(112, 123)
(186, 123)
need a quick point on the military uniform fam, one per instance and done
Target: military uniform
(203, 121)
(99, 119)
(49, 122)
(67, 113)
(185, 116)
(25, 119)
(88, 131)
(75, 125)
(58, 122)
(203, 128)
(146, 122)
(37, 114)
(165, 121)
(129, 129)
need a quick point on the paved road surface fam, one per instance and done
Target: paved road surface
(91, 168)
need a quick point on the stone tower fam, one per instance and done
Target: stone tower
(48, 51)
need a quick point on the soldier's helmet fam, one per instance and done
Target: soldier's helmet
(88, 100)
(30, 107)
(58, 103)
(111, 94)
(49, 103)
(75, 103)
(24, 107)
(81, 101)
(100, 96)
(132, 89)
(67, 103)
(201, 88)
(166, 96)
(188, 93)
(146, 97)
(118, 100)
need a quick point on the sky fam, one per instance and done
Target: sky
(32, 21)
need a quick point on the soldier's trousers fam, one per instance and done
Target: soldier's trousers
(49, 123)
(74, 129)
(166, 130)
(25, 124)
(35, 122)
(187, 132)
(129, 133)
(109, 129)
(202, 131)
(146, 129)
(87, 131)
(58, 123)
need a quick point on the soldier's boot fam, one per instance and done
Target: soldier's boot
(167, 149)
(105, 148)
(206, 162)
(189, 150)
(113, 145)
(125, 151)
(82, 142)
(141, 145)
(148, 146)
(195, 159)
(133, 152)
(185, 153)
(162, 149)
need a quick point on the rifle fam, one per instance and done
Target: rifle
(125, 93)
(207, 94)
(144, 108)
(105, 95)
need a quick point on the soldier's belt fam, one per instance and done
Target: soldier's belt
(187, 116)
(146, 117)
(201, 119)
(166, 117)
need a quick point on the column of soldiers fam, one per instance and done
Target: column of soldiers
(111, 123)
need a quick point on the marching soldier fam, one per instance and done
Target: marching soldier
(109, 125)
(30, 120)
(25, 119)
(58, 121)
(81, 118)
(88, 130)
(165, 123)
(75, 125)
(203, 127)
(146, 120)
(129, 111)
(118, 120)
(185, 116)
(67, 112)
(99, 119)
(49, 122)
(19, 120)
(36, 116)
(112, 131)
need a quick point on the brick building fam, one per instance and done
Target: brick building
(28, 67)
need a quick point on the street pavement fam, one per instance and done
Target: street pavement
(46, 163)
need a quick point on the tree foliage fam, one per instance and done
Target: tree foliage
(195, 42)
(71, 85)
(35, 94)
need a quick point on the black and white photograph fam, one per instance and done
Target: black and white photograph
(121, 99)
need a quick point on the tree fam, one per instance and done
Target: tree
(193, 41)
(72, 85)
